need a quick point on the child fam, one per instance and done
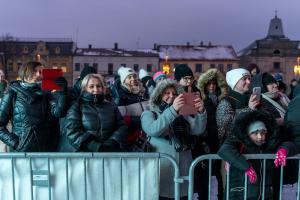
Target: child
(254, 133)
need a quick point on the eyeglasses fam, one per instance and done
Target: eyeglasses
(188, 78)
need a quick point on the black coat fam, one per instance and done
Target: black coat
(32, 113)
(233, 148)
(94, 125)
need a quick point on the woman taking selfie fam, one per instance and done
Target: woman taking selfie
(172, 133)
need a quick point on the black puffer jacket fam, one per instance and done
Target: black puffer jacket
(94, 125)
(32, 113)
(233, 148)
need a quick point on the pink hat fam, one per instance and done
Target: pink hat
(159, 75)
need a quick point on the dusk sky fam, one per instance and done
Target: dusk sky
(141, 23)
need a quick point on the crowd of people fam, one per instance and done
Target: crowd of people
(228, 118)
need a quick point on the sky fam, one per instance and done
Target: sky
(141, 23)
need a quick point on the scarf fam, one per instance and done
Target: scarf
(278, 107)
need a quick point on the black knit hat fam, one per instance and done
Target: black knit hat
(87, 70)
(268, 79)
(182, 70)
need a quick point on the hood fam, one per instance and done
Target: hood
(296, 90)
(222, 88)
(257, 81)
(244, 119)
(155, 97)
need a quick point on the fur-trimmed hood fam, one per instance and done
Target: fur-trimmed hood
(156, 95)
(244, 119)
(222, 88)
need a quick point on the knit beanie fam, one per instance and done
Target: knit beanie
(182, 70)
(142, 74)
(86, 71)
(256, 126)
(159, 75)
(233, 76)
(278, 77)
(124, 72)
(268, 79)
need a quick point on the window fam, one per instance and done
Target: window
(63, 64)
(136, 67)
(19, 65)
(124, 65)
(276, 52)
(212, 66)
(95, 66)
(41, 49)
(149, 67)
(77, 67)
(10, 67)
(25, 50)
(229, 67)
(276, 65)
(110, 68)
(57, 50)
(198, 67)
(64, 69)
(221, 67)
(54, 64)
(86, 64)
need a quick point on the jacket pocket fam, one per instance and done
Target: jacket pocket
(25, 141)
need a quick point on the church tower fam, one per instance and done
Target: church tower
(275, 28)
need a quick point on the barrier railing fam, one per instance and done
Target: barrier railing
(65, 176)
(263, 157)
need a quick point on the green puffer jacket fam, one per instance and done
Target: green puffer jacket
(233, 148)
(93, 125)
(32, 113)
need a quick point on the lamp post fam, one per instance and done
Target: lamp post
(166, 66)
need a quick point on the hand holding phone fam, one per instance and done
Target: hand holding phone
(257, 92)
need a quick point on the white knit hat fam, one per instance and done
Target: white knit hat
(142, 74)
(233, 76)
(124, 72)
(256, 126)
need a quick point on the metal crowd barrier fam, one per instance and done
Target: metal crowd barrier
(263, 157)
(72, 176)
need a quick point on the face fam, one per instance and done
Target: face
(169, 95)
(243, 85)
(253, 72)
(131, 80)
(36, 75)
(273, 87)
(211, 87)
(186, 81)
(294, 83)
(94, 86)
(258, 137)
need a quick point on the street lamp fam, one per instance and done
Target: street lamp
(297, 67)
(166, 66)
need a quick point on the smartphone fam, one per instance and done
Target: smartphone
(257, 91)
(49, 75)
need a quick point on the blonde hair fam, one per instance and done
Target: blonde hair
(86, 79)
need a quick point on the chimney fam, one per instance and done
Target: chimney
(201, 43)
(115, 46)
(209, 43)
(155, 46)
(90, 46)
(188, 44)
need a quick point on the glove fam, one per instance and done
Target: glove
(251, 174)
(61, 82)
(127, 120)
(280, 157)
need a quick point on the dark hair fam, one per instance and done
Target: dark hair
(252, 66)
(27, 70)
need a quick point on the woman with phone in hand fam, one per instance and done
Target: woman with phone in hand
(171, 133)
(32, 112)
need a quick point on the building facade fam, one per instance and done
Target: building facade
(275, 53)
(198, 57)
(52, 53)
(107, 61)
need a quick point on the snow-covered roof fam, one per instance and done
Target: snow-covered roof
(116, 52)
(190, 52)
(22, 39)
(247, 49)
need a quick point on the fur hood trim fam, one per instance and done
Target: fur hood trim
(155, 97)
(222, 88)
